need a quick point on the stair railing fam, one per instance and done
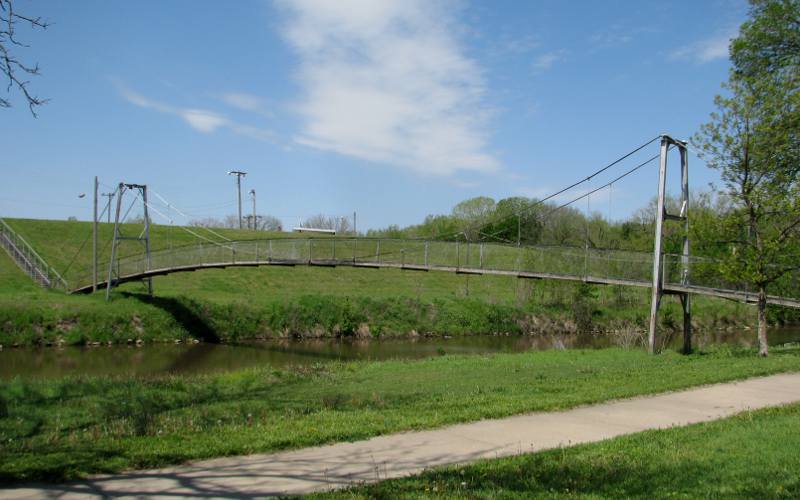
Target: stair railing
(30, 261)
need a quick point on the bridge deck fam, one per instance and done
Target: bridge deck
(746, 297)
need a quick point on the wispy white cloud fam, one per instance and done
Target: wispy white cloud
(706, 50)
(389, 82)
(545, 61)
(243, 101)
(202, 120)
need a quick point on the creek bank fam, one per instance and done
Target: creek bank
(133, 318)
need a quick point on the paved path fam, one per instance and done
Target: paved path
(338, 465)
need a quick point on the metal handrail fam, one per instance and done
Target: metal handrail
(430, 255)
(54, 279)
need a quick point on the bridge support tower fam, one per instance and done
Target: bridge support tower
(143, 237)
(659, 274)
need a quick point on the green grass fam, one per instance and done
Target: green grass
(60, 429)
(239, 303)
(66, 245)
(750, 455)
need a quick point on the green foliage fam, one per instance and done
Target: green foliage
(583, 306)
(754, 141)
(769, 43)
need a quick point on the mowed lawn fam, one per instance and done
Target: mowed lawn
(62, 429)
(750, 455)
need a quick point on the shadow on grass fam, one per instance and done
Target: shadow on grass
(187, 318)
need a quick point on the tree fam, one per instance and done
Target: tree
(11, 67)
(473, 214)
(769, 42)
(515, 217)
(321, 221)
(754, 141)
(265, 222)
(269, 223)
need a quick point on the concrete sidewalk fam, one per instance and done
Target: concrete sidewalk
(339, 465)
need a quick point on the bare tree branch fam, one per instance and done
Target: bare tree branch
(10, 66)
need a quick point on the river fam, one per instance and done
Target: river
(54, 362)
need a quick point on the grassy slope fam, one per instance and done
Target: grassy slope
(66, 245)
(750, 455)
(58, 429)
(238, 302)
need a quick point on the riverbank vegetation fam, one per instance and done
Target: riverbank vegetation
(302, 302)
(750, 455)
(60, 429)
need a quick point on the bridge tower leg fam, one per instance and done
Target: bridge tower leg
(144, 237)
(659, 273)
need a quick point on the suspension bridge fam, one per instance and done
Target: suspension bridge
(680, 274)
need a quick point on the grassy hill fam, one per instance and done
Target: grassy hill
(238, 303)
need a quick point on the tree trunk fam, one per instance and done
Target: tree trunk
(763, 349)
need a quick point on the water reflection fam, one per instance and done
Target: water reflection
(205, 358)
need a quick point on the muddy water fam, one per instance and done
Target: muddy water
(203, 358)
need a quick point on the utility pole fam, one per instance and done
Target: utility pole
(239, 174)
(355, 233)
(94, 239)
(255, 220)
(110, 196)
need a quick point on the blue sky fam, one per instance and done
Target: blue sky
(393, 109)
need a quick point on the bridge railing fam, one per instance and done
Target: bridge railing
(706, 273)
(568, 261)
(581, 263)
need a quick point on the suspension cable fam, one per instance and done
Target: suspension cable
(634, 169)
(555, 194)
(189, 230)
(168, 204)
(85, 241)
